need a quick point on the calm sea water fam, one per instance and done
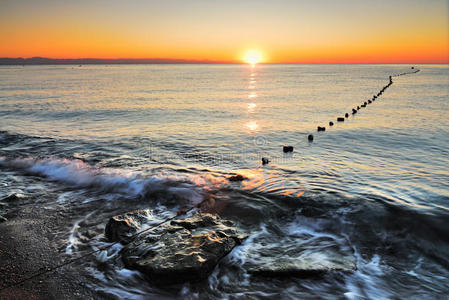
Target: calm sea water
(101, 140)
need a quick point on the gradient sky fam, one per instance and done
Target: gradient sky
(283, 31)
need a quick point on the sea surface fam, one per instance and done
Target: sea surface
(105, 139)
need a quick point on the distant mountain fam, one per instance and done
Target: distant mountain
(98, 61)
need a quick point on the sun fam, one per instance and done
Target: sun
(252, 57)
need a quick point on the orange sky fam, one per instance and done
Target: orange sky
(395, 31)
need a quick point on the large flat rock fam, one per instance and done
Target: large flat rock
(184, 250)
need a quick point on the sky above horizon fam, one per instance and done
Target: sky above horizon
(394, 31)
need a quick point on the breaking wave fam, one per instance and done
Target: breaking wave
(78, 174)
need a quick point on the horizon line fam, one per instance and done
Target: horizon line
(38, 60)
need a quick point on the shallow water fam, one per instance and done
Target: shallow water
(102, 140)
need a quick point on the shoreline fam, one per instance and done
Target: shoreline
(28, 246)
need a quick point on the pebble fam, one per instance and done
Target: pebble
(237, 177)
(287, 149)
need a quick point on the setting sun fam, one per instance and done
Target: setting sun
(252, 57)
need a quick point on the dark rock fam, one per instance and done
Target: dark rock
(305, 268)
(358, 107)
(364, 103)
(123, 227)
(197, 221)
(287, 149)
(265, 160)
(331, 123)
(339, 119)
(3, 219)
(346, 115)
(369, 101)
(237, 177)
(315, 257)
(354, 111)
(310, 137)
(184, 250)
(12, 197)
(321, 128)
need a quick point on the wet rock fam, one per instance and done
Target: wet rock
(12, 198)
(265, 160)
(123, 227)
(310, 137)
(184, 250)
(339, 119)
(237, 177)
(311, 258)
(198, 221)
(321, 128)
(287, 149)
(307, 266)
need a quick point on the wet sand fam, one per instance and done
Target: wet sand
(28, 245)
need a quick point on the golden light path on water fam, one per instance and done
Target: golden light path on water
(256, 177)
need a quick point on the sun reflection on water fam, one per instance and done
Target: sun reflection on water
(252, 126)
(251, 106)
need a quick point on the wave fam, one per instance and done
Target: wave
(78, 174)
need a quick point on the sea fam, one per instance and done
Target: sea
(101, 140)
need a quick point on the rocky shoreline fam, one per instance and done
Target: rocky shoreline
(186, 248)
(189, 248)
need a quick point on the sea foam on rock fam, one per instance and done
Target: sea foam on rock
(310, 265)
(302, 249)
(183, 250)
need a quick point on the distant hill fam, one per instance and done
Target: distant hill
(93, 61)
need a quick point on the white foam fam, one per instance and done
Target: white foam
(368, 280)
(79, 174)
(73, 240)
